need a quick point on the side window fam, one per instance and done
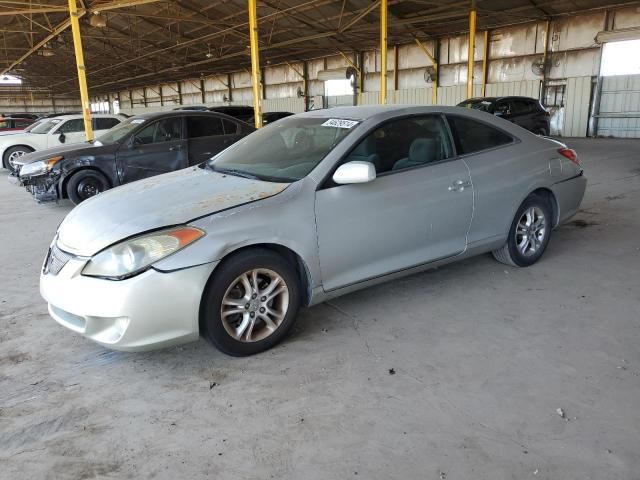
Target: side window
(502, 107)
(23, 123)
(160, 131)
(230, 128)
(71, 126)
(201, 126)
(104, 123)
(405, 143)
(520, 107)
(472, 136)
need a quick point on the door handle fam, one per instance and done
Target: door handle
(459, 185)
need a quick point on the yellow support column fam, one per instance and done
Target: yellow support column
(472, 41)
(383, 51)
(485, 58)
(82, 74)
(255, 63)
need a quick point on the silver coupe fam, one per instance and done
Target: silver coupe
(310, 207)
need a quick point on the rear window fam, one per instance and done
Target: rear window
(201, 126)
(473, 136)
(105, 123)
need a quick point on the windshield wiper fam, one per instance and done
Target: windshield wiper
(233, 171)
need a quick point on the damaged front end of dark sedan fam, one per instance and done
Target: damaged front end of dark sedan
(41, 178)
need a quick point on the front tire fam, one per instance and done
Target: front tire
(250, 303)
(529, 233)
(12, 154)
(85, 184)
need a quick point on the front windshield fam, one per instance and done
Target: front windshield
(33, 125)
(120, 131)
(285, 151)
(46, 126)
(482, 105)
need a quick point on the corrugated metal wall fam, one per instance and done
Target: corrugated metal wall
(576, 107)
(620, 107)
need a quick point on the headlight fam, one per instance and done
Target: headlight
(137, 254)
(38, 168)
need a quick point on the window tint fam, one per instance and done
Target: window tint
(521, 107)
(405, 143)
(104, 123)
(22, 123)
(230, 128)
(160, 131)
(199, 126)
(472, 136)
(71, 126)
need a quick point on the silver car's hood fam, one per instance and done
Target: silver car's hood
(164, 200)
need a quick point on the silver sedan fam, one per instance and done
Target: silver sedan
(311, 207)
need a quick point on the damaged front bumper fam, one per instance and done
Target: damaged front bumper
(44, 188)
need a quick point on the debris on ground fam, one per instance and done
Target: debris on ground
(212, 384)
(443, 475)
(535, 472)
(392, 371)
(560, 412)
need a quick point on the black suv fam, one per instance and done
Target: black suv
(524, 111)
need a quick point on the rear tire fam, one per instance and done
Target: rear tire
(244, 313)
(529, 233)
(12, 154)
(85, 184)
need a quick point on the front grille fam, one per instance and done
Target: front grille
(56, 259)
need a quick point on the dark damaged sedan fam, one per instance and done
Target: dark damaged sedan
(140, 147)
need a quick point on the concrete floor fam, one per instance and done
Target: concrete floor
(483, 357)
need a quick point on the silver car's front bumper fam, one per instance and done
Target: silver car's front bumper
(151, 310)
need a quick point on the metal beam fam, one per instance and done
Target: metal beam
(485, 62)
(383, 51)
(82, 76)
(255, 62)
(61, 27)
(471, 54)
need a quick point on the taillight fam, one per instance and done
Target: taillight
(570, 154)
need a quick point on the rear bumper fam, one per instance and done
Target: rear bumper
(569, 194)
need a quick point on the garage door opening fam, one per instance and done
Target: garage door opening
(621, 58)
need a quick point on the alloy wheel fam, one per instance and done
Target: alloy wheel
(530, 231)
(14, 156)
(254, 305)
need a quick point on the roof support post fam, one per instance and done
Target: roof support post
(82, 74)
(255, 63)
(179, 92)
(161, 97)
(545, 60)
(383, 51)
(360, 77)
(229, 88)
(305, 84)
(471, 54)
(202, 94)
(485, 61)
(395, 72)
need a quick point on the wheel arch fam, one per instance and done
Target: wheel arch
(551, 198)
(4, 152)
(302, 269)
(62, 183)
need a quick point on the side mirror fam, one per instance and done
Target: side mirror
(62, 138)
(355, 172)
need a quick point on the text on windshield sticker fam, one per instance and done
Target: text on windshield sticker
(339, 123)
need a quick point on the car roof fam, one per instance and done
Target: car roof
(77, 116)
(174, 113)
(493, 99)
(370, 111)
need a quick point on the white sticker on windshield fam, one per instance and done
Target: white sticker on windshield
(339, 123)
(137, 120)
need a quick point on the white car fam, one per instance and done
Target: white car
(52, 132)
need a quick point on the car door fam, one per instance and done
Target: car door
(417, 210)
(157, 147)
(495, 173)
(70, 131)
(208, 135)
